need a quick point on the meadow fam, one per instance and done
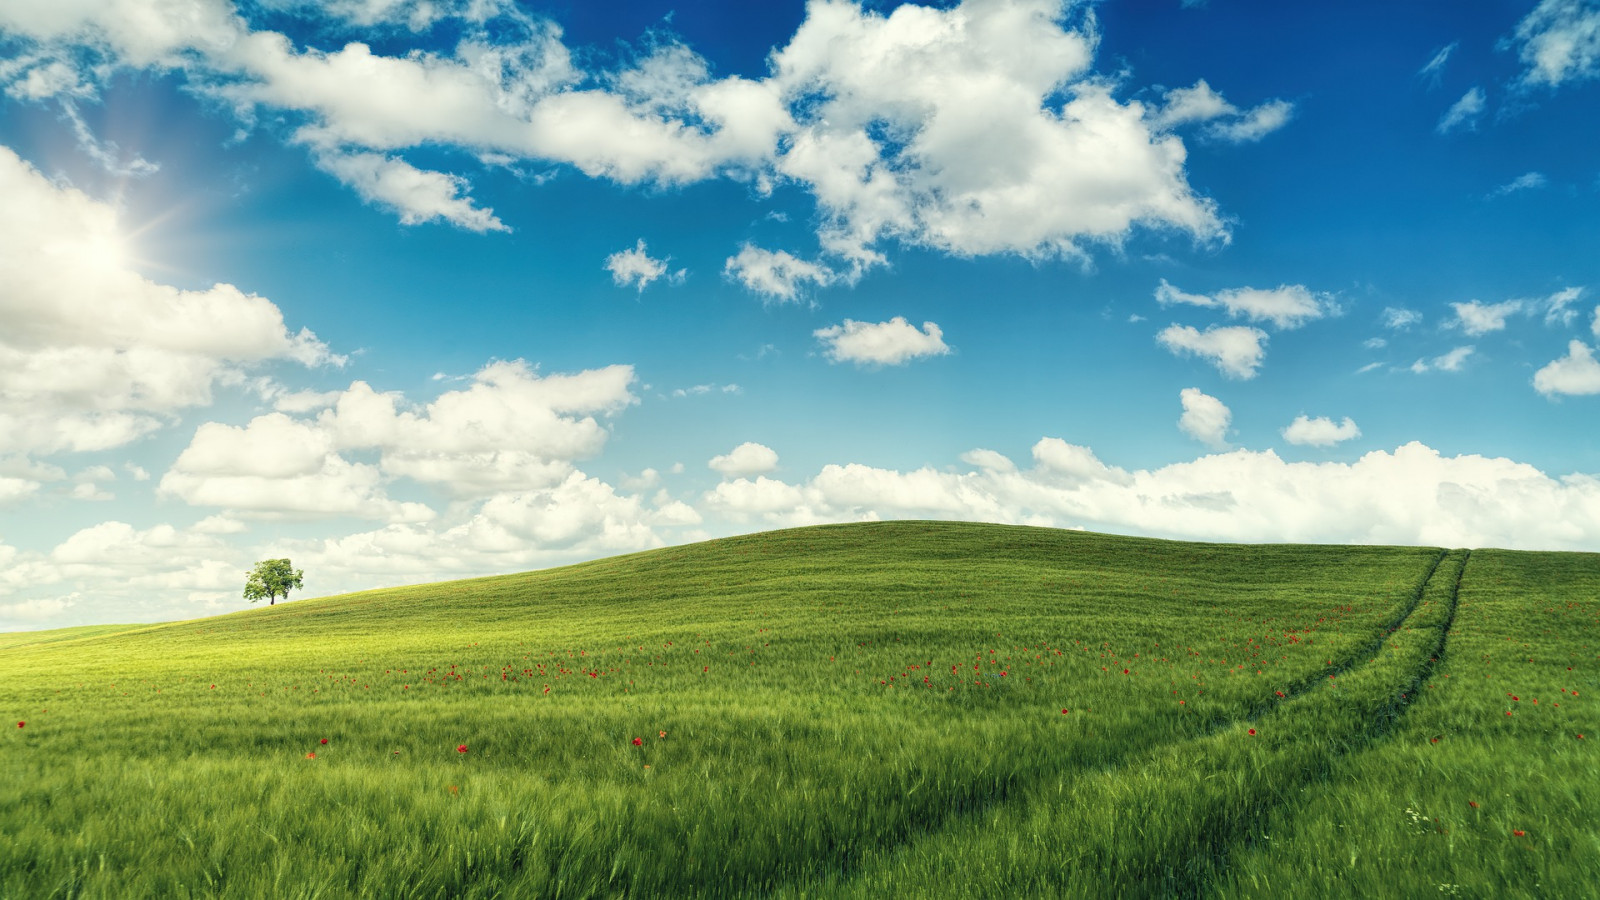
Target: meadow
(928, 709)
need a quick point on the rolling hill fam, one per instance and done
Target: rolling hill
(933, 709)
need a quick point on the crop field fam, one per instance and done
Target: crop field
(911, 709)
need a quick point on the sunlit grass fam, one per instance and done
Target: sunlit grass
(842, 710)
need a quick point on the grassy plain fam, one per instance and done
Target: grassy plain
(933, 709)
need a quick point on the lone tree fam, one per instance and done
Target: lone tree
(270, 578)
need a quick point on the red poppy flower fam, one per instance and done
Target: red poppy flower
(20, 724)
(1252, 731)
(1124, 671)
(1472, 803)
(637, 742)
(324, 740)
(663, 734)
(1519, 832)
(462, 748)
(311, 756)
(1063, 712)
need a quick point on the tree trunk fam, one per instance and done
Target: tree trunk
(272, 599)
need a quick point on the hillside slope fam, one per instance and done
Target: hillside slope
(839, 709)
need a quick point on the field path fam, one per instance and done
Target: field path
(1162, 821)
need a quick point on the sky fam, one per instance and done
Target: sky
(413, 290)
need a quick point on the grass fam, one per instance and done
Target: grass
(926, 708)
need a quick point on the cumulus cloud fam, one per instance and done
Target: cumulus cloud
(93, 355)
(416, 194)
(1463, 113)
(1205, 418)
(1321, 431)
(1576, 373)
(1559, 41)
(775, 274)
(890, 343)
(1448, 362)
(1476, 318)
(1236, 350)
(510, 429)
(976, 129)
(1287, 306)
(744, 460)
(1413, 495)
(635, 267)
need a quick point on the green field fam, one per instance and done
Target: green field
(912, 709)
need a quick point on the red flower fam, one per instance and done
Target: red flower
(324, 740)
(1252, 731)
(1063, 712)
(1472, 803)
(638, 742)
(663, 734)
(20, 724)
(1519, 832)
(462, 748)
(311, 756)
(1124, 671)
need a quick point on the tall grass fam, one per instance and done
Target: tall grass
(842, 710)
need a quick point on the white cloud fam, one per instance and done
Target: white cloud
(746, 459)
(1236, 350)
(1559, 41)
(93, 355)
(1476, 318)
(700, 390)
(1449, 362)
(635, 267)
(1375, 343)
(510, 429)
(1202, 104)
(1399, 319)
(1287, 306)
(1464, 113)
(1435, 65)
(1524, 182)
(1321, 431)
(1412, 495)
(1576, 373)
(776, 274)
(1595, 325)
(1205, 418)
(416, 194)
(976, 129)
(890, 343)
(1558, 306)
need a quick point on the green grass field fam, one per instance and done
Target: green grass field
(917, 709)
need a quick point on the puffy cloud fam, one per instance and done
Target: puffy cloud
(746, 459)
(775, 274)
(1412, 495)
(416, 194)
(511, 429)
(635, 267)
(1481, 318)
(1576, 373)
(1236, 350)
(1448, 362)
(1559, 41)
(1287, 306)
(977, 129)
(93, 354)
(890, 343)
(1463, 113)
(1321, 431)
(1205, 418)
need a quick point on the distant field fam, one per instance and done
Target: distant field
(910, 709)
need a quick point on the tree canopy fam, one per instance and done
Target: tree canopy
(270, 578)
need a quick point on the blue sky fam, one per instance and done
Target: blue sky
(409, 290)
